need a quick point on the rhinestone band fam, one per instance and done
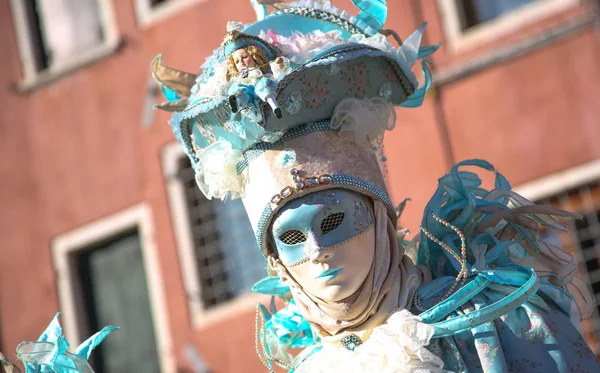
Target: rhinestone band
(321, 15)
(258, 149)
(300, 183)
(349, 180)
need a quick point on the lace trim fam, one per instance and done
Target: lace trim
(396, 346)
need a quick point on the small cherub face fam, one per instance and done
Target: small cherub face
(243, 59)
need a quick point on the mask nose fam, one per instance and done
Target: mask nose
(314, 251)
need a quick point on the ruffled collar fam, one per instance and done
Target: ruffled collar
(398, 345)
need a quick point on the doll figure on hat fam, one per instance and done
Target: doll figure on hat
(252, 72)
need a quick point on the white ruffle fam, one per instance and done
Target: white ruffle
(398, 346)
(235, 26)
(216, 85)
(378, 41)
(363, 121)
(216, 171)
(300, 47)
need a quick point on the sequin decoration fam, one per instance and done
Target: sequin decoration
(315, 91)
(293, 102)
(385, 90)
(300, 183)
(381, 158)
(363, 218)
(356, 77)
(350, 342)
(331, 69)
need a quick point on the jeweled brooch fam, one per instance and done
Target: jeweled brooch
(350, 342)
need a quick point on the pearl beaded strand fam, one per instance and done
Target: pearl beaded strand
(462, 259)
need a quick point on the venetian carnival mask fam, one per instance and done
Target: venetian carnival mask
(326, 241)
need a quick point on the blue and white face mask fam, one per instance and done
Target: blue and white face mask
(326, 240)
(318, 221)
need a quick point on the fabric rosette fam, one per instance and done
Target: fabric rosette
(216, 171)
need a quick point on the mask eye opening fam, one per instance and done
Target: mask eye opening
(292, 237)
(331, 222)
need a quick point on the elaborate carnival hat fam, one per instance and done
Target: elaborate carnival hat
(336, 94)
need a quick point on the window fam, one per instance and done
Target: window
(219, 257)
(471, 23)
(152, 11)
(114, 292)
(56, 36)
(91, 264)
(229, 261)
(474, 12)
(584, 241)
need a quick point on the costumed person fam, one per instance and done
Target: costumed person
(482, 293)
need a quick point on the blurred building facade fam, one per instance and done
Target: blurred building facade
(100, 215)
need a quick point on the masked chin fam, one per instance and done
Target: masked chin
(354, 257)
(337, 292)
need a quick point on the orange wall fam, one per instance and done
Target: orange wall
(75, 150)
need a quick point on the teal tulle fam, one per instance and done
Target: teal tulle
(416, 99)
(412, 51)
(283, 330)
(169, 94)
(289, 329)
(49, 353)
